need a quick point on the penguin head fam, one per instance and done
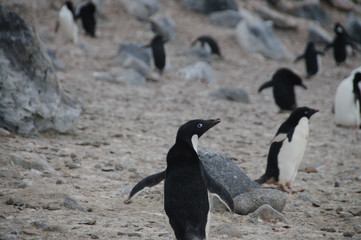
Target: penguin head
(194, 129)
(310, 45)
(157, 40)
(338, 29)
(357, 78)
(69, 5)
(301, 112)
(286, 75)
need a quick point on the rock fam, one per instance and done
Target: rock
(133, 55)
(279, 20)
(130, 77)
(29, 161)
(199, 71)
(52, 206)
(208, 6)
(4, 237)
(58, 64)
(15, 202)
(228, 229)
(198, 53)
(326, 229)
(108, 169)
(30, 97)
(94, 236)
(73, 205)
(103, 76)
(226, 172)
(348, 234)
(164, 26)
(353, 27)
(8, 173)
(266, 212)
(141, 9)
(343, 5)
(255, 35)
(4, 132)
(39, 224)
(226, 18)
(313, 11)
(318, 34)
(231, 94)
(356, 211)
(72, 163)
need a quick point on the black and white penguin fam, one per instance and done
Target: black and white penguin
(312, 59)
(287, 149)
(187, 184)
(348, 101)
(339, 43)
(209, 44)
(283, 82)
(86, 12)
(66, 22)
(158, 51)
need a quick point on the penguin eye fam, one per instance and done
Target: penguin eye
(199, 125)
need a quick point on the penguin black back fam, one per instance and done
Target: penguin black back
(311, 59)
(211, 42)
(283, 82)
(356, 89)
(70, 6)
(86, 12)
(157, 45)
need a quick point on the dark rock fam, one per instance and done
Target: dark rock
(228, 229)
(59, 181)
(317, 34)
(15, 202)
(356, 211)
(72, 204)
(348, 234)
(231, 94)
(266, 212)
(226, 18)
(255, 35)
(15, 232)
(30, 98)
(313, 11)
(326, 229)
(337, 184)
(226, 172)
(353, 27)
(208, 6)
(142, 9)
(118, 167)
(164, 26)
(129, 234)
(94, 236)
(108, 169)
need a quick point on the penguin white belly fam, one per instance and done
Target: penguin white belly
(347, 112)
(319, 64)
(291, 153)
(67, 25)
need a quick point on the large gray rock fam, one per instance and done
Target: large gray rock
(226, 172)
(343, 5)
(164, 26)
(199, 71)
(130, 77)
(268, 213)
(231, 94)
(318, 34)
(255, 35)
(142, 9)
(353, 27)
(29, 161)
(208, 6)
(279, 20)
(30, 98)
(133, 55)
(226, 18)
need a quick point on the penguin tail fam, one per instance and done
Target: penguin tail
(264, 178)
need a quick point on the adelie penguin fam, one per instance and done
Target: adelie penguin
(158, 52)
(187, 184)
(209, 44)
(283, 82)
(339, 43)
(86, 12)
(66, 22)
(348, 101)
(287, 149)
(312, 59)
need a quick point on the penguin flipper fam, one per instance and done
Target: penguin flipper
(216, 188)
(299, 58)
(149, 181)
(265, 85)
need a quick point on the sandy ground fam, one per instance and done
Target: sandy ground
(125, 133)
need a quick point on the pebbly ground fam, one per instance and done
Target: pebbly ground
(125, 133)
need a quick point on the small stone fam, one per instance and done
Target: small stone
(267, 213)
(344, 214)
(325, 229)
(1, 194)
(356, 211)
(15, 232)
(94, 236)
(59, 181)
(337, 184)
(316, 204)
(357, 228)
(118, 167)
(4, 132)
(15, 202)
(129, 234)
(310, 169)
(98, 166)
(108, 169)
(348, 234)
(228, 229)
(89, 222)
(72, 204)
(39, 224)
(307, 214)
(53, 206)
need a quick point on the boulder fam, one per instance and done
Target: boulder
(130, 77)
(142, 9)
(266, 212)
(199, 71)
(318, 34)
(133, 55)
(353, 27)
(164, 26)
(255, 35)
(29, 161)
(208, 6)
(343, 5)
(226, 18)
(313, 11)
(231, 94)
(279, 20)
(31, 100)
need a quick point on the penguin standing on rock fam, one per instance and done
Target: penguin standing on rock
(66, 22)
(283, 82)
(287, 149)
(209, 44)
(348, 101)
(339, 44)
(158, 51)
(187, 184)
(86, 12)
(312, 59)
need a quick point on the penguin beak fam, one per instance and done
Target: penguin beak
(313, 111)
(215, 121)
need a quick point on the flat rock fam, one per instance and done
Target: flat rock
(343, 5)
(231, 94)
(29, 161)
(163, 25)
(130, 77)
(279, 20)
(226, 18)
(318, 34)
(141, 9)
(353, 27)
(267, 213)
(208, 6)
(199, 71)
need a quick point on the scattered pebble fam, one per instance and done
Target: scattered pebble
(72, 204)
(15, 202)
(348, 234)
(129, 234)
(325, 229)
(94, 236)
(108, 169)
